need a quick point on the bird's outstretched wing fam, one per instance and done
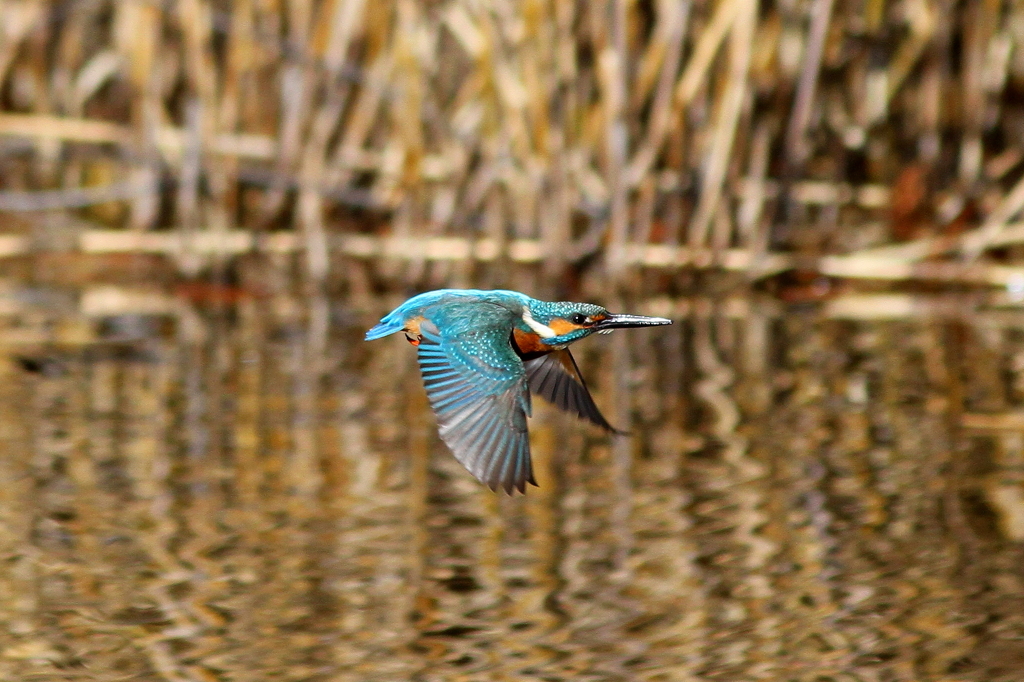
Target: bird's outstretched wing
(478, 390)
(556, 378)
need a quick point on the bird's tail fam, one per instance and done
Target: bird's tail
(390, 324)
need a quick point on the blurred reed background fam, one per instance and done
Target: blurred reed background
(862, 140)
(206, 475)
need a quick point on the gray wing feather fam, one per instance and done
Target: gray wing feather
(556, 378)
(481, 414)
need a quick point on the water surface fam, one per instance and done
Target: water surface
(251, 492)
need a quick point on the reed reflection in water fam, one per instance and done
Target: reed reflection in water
(261, 495)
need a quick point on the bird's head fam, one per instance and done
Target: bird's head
(562, 323)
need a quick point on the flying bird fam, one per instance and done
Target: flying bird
(481, 353)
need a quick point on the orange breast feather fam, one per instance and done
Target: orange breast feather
(530, 345)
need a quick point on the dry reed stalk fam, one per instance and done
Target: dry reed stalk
(796, 143)
(76, 197)
(169, 139)
(663, 56)
(923, 23)
(1005, 234)
(342, 26)
(986, 274)
(748, 215)
(711, 38)
(978, 240)
(1006, 421)
(237, 242)
(725, 130)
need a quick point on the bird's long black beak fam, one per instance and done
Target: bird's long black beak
(622, 321)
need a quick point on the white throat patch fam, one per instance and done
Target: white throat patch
(543, 331)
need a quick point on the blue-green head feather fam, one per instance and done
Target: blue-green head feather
(569, 321)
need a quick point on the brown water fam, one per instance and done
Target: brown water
(254, 493)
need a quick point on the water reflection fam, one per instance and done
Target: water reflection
(254, 493)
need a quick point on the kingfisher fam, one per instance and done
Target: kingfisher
(481, 353)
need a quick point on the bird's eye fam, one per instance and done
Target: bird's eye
(578, 319)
